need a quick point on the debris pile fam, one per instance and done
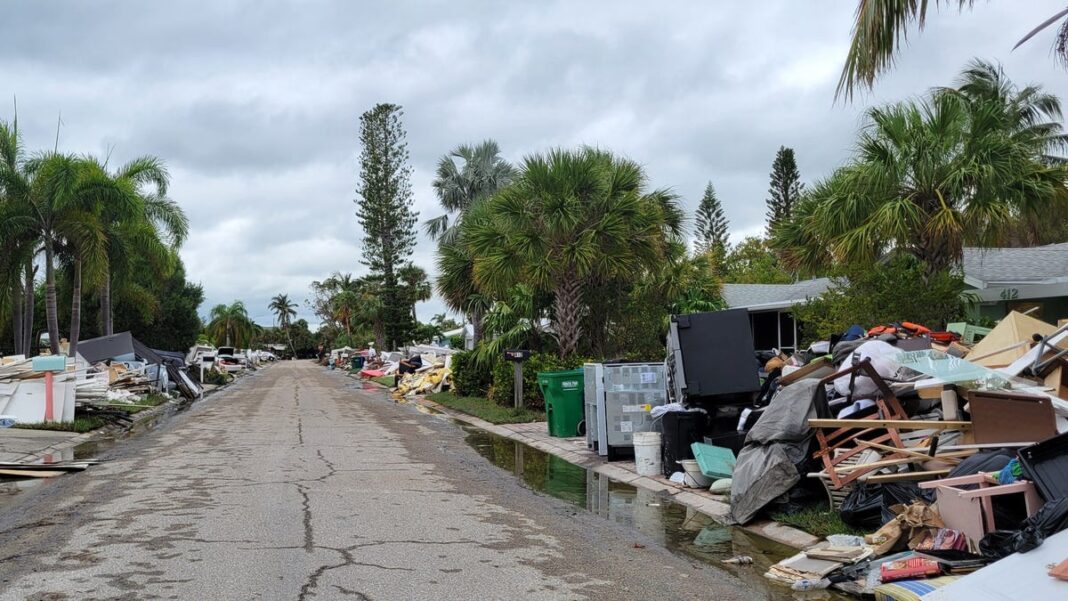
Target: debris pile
(949, 448)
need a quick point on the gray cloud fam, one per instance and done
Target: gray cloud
(254, 105)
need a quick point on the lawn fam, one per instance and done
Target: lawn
(486, 409)
(79, 425)
(384, 380)
(817, 520)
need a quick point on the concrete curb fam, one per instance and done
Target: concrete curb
(567, 449)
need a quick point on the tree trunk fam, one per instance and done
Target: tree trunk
(567, 301)
(51, 307)
(17, 301)
(380, 335)
(75, 309)
(107, 323)
(31, 296)
(476, 326)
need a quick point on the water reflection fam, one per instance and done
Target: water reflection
(676, 527)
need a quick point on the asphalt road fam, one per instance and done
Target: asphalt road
(295, 484)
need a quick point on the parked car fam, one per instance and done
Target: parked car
(227, 360)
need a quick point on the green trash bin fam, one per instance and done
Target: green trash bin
(563, 401)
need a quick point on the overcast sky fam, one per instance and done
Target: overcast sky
(254, 105)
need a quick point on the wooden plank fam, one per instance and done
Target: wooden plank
(947, 457)
(64, 467)
(905, 476)
(30, 473)
(900, 424)
(902, 451)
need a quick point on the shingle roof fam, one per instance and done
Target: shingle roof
(773, 296)
(1036, 265)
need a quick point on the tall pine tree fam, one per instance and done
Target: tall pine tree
(712, 225)
(785, 187)
(384, 210)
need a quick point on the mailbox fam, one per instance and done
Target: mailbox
(516, 355)
(50, 363)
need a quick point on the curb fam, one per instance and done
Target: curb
(696, 499)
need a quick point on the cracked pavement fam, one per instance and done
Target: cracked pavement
(296, 484)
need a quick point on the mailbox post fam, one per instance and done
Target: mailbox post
(517, 357)
(49, 364)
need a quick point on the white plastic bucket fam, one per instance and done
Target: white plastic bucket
(694, 477)
(647, 453)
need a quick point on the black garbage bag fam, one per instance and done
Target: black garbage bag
(868, 506)
(863, 507)
(1051, 519)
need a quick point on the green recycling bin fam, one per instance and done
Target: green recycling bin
(563, 401)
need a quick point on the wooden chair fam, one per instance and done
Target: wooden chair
(832, 451)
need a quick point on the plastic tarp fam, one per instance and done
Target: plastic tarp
(778, 442)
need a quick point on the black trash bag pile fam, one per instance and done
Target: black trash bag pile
(868, 506)
(1051, 519)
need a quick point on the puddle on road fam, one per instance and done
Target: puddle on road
(12, 487)
(678, 528)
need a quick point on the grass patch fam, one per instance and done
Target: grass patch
(79, 425)
(486, 409)
(817, 520)
(152, 400)
(384, 380)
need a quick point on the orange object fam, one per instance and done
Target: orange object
(1060, 571)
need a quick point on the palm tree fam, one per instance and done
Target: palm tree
(147, 224)
(882, 25)
(284, 311)
(53, 200)
(415, 286)
(230, 324)
(515, 321)
(458, 187)
(18, 244)
(370, 308)
(571, 218)
(345, 303)
(958, 166)
(456, 283)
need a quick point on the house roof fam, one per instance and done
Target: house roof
(773, 296)
(1036, 265)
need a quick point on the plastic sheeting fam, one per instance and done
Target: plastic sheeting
(778, 442)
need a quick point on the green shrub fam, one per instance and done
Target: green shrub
(467, 378)
(898, 290)
(216, 377)
(502, 391)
